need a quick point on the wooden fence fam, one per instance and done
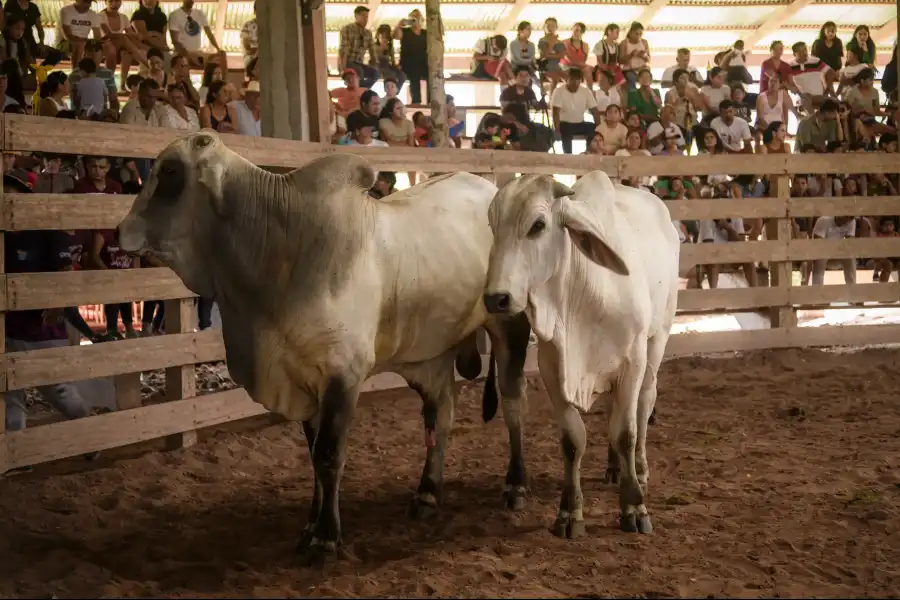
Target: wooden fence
(180, 349)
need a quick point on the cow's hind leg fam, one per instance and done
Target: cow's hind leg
(623, 433)
(337, 406)
(434, 382)
(656, 349)
(509, 344)
(573, 439)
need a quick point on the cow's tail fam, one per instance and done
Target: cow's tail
(490, 400)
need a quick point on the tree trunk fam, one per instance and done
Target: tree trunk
(435, 41)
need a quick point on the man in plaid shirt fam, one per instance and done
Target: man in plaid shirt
(356, 40)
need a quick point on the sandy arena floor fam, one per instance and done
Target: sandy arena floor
(773, 474)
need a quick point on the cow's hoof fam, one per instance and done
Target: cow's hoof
(644, 525)
(612, 476)
(422, 506)
(305, 540)
(628, 523)
(319, 553)
(567, 527)
(514, 498)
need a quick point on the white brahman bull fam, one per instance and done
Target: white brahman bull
(595, 268)
(320, 286)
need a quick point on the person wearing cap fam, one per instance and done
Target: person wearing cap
(247, 111)
(36, 252)
(347, 97)
(356, 41)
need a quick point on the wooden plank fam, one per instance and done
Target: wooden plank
(181, 382)
(687, 344)
(73, 438)
(77, 288)
(74, 363)
(732, 252)
(761, 164)
(727, 208)
(779, 250)
(735, 299)
(61, 212)
(844, 206)
(781, 273)
(847, 248)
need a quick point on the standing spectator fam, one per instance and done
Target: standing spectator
(521, 91)
(734, 61)
(52, 92)
(570, 102)
(348, 97)
(413, 54)
(186, 26)
(811, 77)
(489, 60)
(775, 65)
(150, 24)
(93, 50)
(247, 111)
(180, 77)
(76, 23)
(387, 60)
(828, 46)
(216, 114)
(178, 115)
(31, 15)
(733, 131)
(120, 40)
(250, 39)
(14, 45)
(90, 95)
(552, 50)
(819, 128)
(356, 42)
(634, 53)
(834, 228)
(522, 53)
(576, 54)
(682, 62)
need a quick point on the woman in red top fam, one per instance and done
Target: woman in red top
(774, 64)
(106, 253)
(576, 56)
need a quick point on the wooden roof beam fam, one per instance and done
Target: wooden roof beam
(221, 12)
(775, 22)
(885, 32)
(373, 6)
(646, 17)
(508, 21)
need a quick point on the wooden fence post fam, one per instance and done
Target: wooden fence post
(4, 445)
(181, 382)
(781, 273)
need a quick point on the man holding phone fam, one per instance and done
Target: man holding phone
(413, 54)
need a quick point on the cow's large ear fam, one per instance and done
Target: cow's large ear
(579, 221)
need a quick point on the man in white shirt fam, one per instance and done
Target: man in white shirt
(714, 93)
(76, 23)
(733, 131)
(143, 111)
(186, 26)
(659, 131)
(834, 228)
(569, 103)
(811, 76)
(247, 111)
(683, 62)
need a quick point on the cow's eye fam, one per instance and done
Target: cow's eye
(539, 226)
(171, 179)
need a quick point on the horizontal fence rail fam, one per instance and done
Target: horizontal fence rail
(180, 349)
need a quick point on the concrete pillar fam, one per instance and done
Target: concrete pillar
(281, 73)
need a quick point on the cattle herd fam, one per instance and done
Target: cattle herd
(320, 286)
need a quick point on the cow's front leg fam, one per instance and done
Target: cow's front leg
(335, 416)
(573, 439)
(438, 414)
(310, 428)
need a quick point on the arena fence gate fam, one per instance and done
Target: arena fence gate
(183, 413)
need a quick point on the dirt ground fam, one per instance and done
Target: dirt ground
(773, 474)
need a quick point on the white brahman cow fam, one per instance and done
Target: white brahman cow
(320, 286)
(595, 268)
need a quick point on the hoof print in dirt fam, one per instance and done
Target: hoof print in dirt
(514, 499)
(422, 507)
(634, 524)
(796, 412)
(568, 528)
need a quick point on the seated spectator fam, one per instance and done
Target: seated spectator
(774, 65)
(156, 68)
(522, 53)
(150, 25)
(456, 127)
(180, 77)
(14, 43)
(607, 53)
(247, 111)
(634, 53)
(819, 128)
(846, 76)
(733, 131)
(489, 60)
(356, 42)
(570, 102)
(606, 93)
(52, 92)
(633, 147)
(611, 129)
(93, 50)
(521, 91)
(121, 44)
(713, 94)
(348, 97)
(391, 88)
(644, 99)
(735, 64)
(552, 50)
(662, 130)
(4, 89)
(178, 115)
(90, 95)
(77, 22)
(811, 77)
(384, 186)
(533, 137)
(186, 26)
(773, 105)
(211, 72)
(887, 228)
(863, 44)
(216, 113)
(834, 228)
(31, 15)
(682, 63)
(863, 98)
(361, 130)
(576, 54)
(337, 125)
(396, 130)
(370, 105)
(387, 59)
(774, 139)
(741, 109)
(250, 39)
(686, 100)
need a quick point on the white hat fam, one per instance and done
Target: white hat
(253, 86)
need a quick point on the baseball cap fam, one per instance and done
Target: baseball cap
(252, 86)
(347, 71)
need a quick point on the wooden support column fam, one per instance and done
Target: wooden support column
(781, 273)
(4, 445)
(221, 13)
(181, 382)
(316, 70)
(434, 34)
(282, 78)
